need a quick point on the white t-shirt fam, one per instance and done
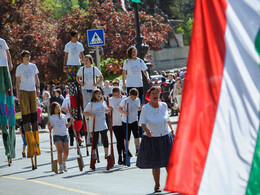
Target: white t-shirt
(156, 119)
(73, 50)
(114, 103)
(88, 76)
(59, 124)
(66, 104)
(27, 76)
(98, 108)
(134, 70)
(107, 91)
(132, 109)
(3, 56)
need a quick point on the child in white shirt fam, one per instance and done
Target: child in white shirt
(97, 108)
(114, 102)
(134, 106)
(59, 124)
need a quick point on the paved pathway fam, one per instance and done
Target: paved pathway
(20, 179)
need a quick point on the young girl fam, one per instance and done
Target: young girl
(59, 124)
(134, 106)
(117, 122)
(97, 108)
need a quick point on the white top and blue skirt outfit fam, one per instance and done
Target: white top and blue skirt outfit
(155, 151)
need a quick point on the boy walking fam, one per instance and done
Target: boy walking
(28, 87)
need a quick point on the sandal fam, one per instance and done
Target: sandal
(157, 189)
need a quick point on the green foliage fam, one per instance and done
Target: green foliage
(180, 30)
(177, 10)
(62, 7)
(188, 30)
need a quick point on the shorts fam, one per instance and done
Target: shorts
(57, 138)
(24, 141)
(131, 127)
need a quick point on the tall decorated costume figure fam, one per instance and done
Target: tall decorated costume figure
(6, 102)
(28, 87)
(72, 63)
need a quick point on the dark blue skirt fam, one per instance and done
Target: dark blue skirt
(154, 152)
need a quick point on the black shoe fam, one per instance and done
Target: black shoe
(124, 162)
(120, 162)
(130, 154)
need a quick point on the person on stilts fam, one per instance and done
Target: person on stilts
(28, 87)
(72, 63)
(7, 118)
(86, 77)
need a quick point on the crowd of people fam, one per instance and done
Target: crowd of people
(83, 103)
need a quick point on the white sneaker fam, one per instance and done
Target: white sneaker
(60, 170)
(64, 168)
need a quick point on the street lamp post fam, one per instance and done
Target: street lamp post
(140, 46)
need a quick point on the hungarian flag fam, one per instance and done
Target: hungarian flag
(122, 4)
(217, 146)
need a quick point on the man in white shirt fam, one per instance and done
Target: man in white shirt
(28, 87)
(6, 99)
(72, 63)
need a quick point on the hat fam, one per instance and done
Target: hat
(171, 72)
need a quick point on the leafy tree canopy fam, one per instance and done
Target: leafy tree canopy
(43, 28)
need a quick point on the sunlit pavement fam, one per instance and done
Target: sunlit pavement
(20, 179)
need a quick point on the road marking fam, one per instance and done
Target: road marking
(49, 184)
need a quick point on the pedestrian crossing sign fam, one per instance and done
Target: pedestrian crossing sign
(96, 37)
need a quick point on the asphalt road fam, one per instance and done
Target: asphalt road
(20, 179)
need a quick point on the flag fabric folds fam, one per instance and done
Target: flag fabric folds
(122, 4)
(217, 146)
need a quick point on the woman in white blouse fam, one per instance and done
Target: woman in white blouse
(157, 141)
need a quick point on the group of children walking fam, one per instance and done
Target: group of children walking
(97, 108)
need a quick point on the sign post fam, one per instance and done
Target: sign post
(95, 39)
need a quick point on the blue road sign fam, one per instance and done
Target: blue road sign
(96, 37)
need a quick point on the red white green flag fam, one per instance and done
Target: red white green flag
(217, 146)
(122, 4)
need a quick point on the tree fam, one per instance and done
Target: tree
(119, 30)
(34, 26)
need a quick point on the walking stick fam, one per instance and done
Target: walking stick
(127, 157)
(54, 163)
(79, 159)
(92, 161)
(86, 134)
(111, 159)
(142, 103)
(98, 161)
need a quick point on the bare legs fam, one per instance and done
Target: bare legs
(63, 151)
